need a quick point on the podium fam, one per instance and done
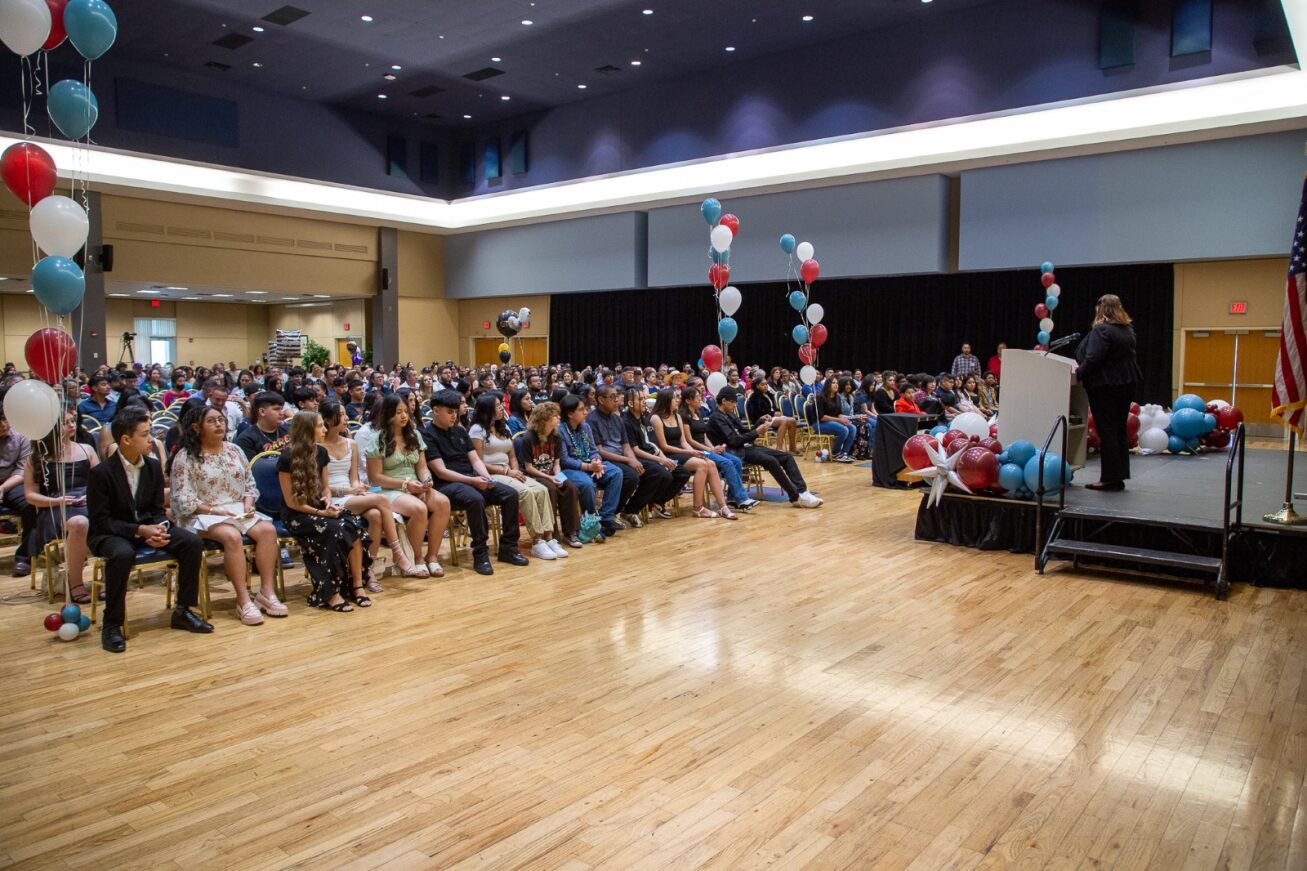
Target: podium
(1036, 389)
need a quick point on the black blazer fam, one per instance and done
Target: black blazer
(1107, 357)
(109, 501)
(725, 429)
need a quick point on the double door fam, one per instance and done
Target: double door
(1235, 365)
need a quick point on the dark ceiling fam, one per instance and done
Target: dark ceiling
(330, 55)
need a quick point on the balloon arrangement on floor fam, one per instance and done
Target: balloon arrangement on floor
(509, 323)
(968, 455)
(1190, 425)
(1044, 310)
(59, 224)
(810, 333)
(723, 230)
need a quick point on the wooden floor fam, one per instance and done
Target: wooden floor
(798, 689)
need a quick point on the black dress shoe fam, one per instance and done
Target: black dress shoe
(22, 568)
(513, 558)
(482, 566)
(185, 618)
(112, 640)
(1107, 486)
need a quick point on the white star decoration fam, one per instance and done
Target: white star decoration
(942, 471)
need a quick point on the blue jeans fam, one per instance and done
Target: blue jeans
(844, 435)
(731, 467)
(611, 482)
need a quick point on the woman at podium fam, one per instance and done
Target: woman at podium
(1109, 373)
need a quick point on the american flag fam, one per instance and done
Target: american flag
(1289, 395)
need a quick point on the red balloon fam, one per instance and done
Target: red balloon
(719, 275)
(978, 468)
(1229, 418)
(1131, 426)
(712, 357)
(992, 444)
(993, 430)
(1041, 348)
(817, 335)
(51, 354)
(807, 353)
(1093, 443)
(28, 171)
(914, 450)
(1041, 311)
(53, 622)
(1134, 408)
(952, 437)
(1217, 439)
(956, 446)
(810, 270)
(1048, 279)
(727, 220)
(57, 32)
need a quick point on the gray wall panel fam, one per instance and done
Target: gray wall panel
(1200, 201)
(893, 227)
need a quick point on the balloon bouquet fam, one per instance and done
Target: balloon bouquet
(1190, 424)
(723, 232)
(509, 323)
(1044, 310)
(59, 224)
(810, 333)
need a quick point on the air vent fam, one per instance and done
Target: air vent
(484, 73)
(276, 240)
(285, 15)
(218, 65)
(129, 227)
(428, 91)
(221, 236)
(233, 41)
(314, 246)
(351, 249)
(189, 233)
(607, 69)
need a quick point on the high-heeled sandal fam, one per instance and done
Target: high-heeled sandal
(82, 598)
(340, 607)
(729, 514)
(361, 600)
(405, 566)
(705, 513)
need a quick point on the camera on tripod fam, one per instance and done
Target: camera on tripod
(127, 337)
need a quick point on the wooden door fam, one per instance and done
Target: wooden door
(485, 350)
(533, 351)
(1209, 364)
(342, 352)
(1258, 350)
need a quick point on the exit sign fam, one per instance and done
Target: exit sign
(485, 325)
(1238, 308)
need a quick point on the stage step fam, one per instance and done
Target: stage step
(1066, 547)
(1100, 514)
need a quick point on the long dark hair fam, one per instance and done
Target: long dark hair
(189, 442)
(386, 438)
(330, 411)
(484, 414)
(687, 393)
(515, 404)
(663, 402)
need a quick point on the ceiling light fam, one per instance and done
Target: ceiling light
(257, 292)
(258, 29)
(119, 295)
(467, 117)
(527, 21)
(222, 296)
(320, 296)
(176, 288)
(925, 1)
(381, 96)
(191, 298)
(730, 48)
(148, 292)
(807, 18)
(495, 60)
(648, 12)
(581, 87)
(396, 67)
(635, 63)
(390, 77)
(366, 19)
(505, 98)
(258, 65)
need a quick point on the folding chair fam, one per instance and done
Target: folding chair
(146, 558)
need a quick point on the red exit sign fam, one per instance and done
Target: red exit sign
(485, 325)
(1238, 308)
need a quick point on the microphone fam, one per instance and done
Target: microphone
(1063, 342)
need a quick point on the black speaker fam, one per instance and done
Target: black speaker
(106, 258)
(385, 278)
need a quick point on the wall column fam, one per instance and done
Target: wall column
(88, 318)
(383, 325)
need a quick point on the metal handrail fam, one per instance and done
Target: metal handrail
(1059, 424)
(1238, 449)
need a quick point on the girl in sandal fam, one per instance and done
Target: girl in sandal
(334, 539)
(55, 483)
(670, 436)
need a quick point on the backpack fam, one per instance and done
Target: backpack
(589, 530)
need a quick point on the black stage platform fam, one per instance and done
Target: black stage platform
(1186, 493)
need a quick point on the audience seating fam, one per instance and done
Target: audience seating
(146, 558)
(264, 469)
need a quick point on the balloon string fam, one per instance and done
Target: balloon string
(24, 73)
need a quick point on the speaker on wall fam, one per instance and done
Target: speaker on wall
(491, 160)
(517, 153)
(1191, 27)
(385, 278)
(1117, 20)
(106, 258)
(397, 156)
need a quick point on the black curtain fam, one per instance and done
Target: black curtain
(911, 323)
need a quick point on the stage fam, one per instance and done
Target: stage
(1168, 499)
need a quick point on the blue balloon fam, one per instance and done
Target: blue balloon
(699, 365)
(1020, 452)
(728, 329)
(711, 209)
(1210, 420)
(1046, 266)
(939, 430)
(797, 300)
(1191, 444)
(70, 613)
(1011, 477)
(788, 244)
(1190, 400)
(92, 27)
(59, 284)
(1175, 444)
(83, 623)
(1050, 303)
(1054, 470)
(1004, 458)
(1188, 423)
(799, 334)
(73, 108)
(714, 254)
(1042, 337)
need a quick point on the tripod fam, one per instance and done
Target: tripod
(128, 353)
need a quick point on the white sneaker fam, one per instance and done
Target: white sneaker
(249, 613)
(556, 548)
(807, 500)
(542, 550)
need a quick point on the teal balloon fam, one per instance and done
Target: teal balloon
(717, 256)
(799, 334)
(92, 27)
(1042, 337)
(699, 365)
(1210, 420)
(788, 243)
(797, 300)
(1054, 471)
(1188, 423)
(1020, 452)
(711, 210)
(1046, 266)
(1051, 303)
(59, 284)
(1175, 444)
(939, 431)
(73, 108)
(70, 613)
(1011, 477)
(1190, 400)
(83, 623)
(1191, 444)
(728, 329)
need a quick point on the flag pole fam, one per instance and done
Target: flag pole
(1290, 413)
(1286, 516)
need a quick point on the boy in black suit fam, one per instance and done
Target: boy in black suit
(124, 498)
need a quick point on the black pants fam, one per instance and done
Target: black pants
(651, 485)
(679, 477)
(15, 500)
(120, 559)
(464, 497)
(780, 466)
(1111, 408)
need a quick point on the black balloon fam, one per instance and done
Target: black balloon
(508, 324)
(505, 356)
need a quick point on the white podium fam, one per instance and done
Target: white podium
(1036, 388)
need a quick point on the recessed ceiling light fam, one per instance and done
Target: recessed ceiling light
(527, 21)
(176, 288)
(119, 295)
(366, 19)
(807, 18)
(635, 63)
(467, 117)
(257, 292)
(495, 60)
(381, 96)
(258, 65)
(320, 296)
(581, 87)
(390, 77)
(258, 29)
(925, 1)
(149, 292)
(191, 298)
(505, 98)
(222, 296)
(648, 12)
(730, 48)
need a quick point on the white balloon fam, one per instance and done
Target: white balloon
(1145, 420)
(524, 314)
(24, 25)
(1054, 290)
(721, 238)
(1153, 440)
(716, 381)
(59, 226)
(807, 375)
(972, 424)
(32, 408)
(1219, 403)
(804, 252)
(816, 313)
(1046, 325)
(1162, 420)
(68, 631)
(729, 299)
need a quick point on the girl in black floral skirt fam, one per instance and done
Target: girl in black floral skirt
(335, 542)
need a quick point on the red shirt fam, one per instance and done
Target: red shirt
(995, 365)
(905, 405)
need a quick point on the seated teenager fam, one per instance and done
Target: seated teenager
(333, 538)
(213, 495)
(605, 422)
(349, 493)
(55, 483)
(125, 499)
(763, 405)
(948, 399)
(988, 393)
(670, 436)
(464, 480)
(832, 422)
(657, 468)
(885, 394)
(539, 455)
(520, 404)
(397, 464)
(694, 416)
(267, 432)
(966, 393)
(905, 404)
(583, 466)
(854, 405)
(357, 399)
(726, 428)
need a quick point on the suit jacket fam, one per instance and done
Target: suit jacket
(726, 429)
(1107, 357)
(110, 505)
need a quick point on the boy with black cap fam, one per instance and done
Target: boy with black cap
(724, 428)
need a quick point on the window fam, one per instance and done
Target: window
(156, 340)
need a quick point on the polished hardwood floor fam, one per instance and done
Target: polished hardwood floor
(797, 689)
